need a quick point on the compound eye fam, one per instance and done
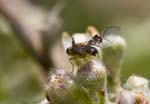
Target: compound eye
(93, 51)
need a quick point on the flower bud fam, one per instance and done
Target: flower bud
(92, 76)
(132, 97)
(56, 89)
(126, 97)
(62, 90)
(138, 84)
(112, 57)
(45, 101)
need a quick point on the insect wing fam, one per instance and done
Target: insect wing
(111, 30)
(108, 34)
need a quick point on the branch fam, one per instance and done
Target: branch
(36, 29)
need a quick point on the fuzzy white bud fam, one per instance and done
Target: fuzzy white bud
(138, 84)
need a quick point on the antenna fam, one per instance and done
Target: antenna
(73, 42)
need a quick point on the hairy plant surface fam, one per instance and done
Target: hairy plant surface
(95, 79)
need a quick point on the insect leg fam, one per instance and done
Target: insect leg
(78, 63)
(71, 61)
(98, 55)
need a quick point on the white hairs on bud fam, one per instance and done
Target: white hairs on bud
(97, 65)
(45, 101)
(113, 40)
(138, 84)
(80, 37)
(126, 98)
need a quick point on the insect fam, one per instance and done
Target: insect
(100, 40)
(81, 50)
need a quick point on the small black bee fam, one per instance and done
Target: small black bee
(81, 50)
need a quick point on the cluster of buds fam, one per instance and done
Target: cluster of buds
(95, 79)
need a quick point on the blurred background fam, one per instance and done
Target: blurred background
(30, 39)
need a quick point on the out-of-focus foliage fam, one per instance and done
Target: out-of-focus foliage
(18, 79)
